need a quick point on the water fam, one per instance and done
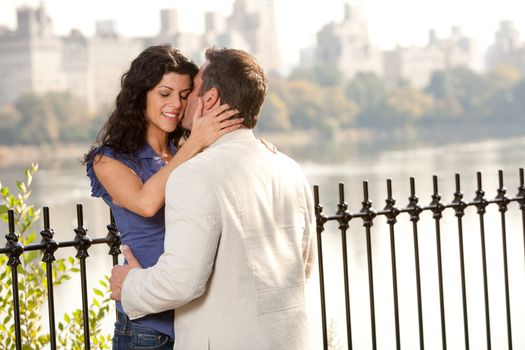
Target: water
(398, 165)
(62, 184)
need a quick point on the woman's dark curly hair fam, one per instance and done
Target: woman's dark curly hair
(125, 129)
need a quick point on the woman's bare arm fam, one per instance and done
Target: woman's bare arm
(145, 199)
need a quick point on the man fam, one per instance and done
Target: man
(239, 231)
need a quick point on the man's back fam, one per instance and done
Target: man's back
(239, 224)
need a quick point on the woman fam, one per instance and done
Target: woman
(133, 157)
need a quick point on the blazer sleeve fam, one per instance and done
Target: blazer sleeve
(310, 236)
(192, 236)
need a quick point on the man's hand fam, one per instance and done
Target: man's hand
(119, 273)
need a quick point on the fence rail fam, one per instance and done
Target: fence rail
(48, 246)
(367, 214)
(82, 242)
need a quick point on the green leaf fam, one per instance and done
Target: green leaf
(98, 292)
(29, 177)
(61, 265)
(3, 209)
(21, 186)
(11, 200)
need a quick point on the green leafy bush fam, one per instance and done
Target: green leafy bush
(32, 284)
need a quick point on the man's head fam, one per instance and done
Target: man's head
(229, 76)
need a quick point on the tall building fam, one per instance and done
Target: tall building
(508, 48)
(346, 45)
(254, 20)
(34, 59)
(250, 27)
(416, 64)
(169, 22)
(30, 56)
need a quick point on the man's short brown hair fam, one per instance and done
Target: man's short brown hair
(239, 79)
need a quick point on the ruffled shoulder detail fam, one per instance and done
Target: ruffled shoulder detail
(97, 190)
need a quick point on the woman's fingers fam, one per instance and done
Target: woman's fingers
(217, 110)
(198, 110)
(221, 112)
(227, 114)
(228, 129)
(231, 122)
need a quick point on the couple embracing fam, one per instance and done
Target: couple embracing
(220, 227)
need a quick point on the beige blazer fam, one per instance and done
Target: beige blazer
(238, 250)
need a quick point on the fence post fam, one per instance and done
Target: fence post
(50, 247)
(368, 217)
(481, 203)
(16, 249)
(321, 220)
(521, 200)
(502, 200)
(459, 207)
(437, 210)
(113, 237)
(83, 243)
(391, 214)
(343, 218)
(414, 211)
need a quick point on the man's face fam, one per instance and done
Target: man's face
(193, 99)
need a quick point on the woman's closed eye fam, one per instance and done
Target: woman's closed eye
(185, 94)
(165, 92)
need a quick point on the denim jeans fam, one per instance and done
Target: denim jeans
(130, 335)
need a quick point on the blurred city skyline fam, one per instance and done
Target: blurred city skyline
(404, 22)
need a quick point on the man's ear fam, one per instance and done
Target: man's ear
(210, 98)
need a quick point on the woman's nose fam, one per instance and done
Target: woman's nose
(175, 102)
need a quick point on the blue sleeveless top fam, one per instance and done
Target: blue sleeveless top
(145, 236)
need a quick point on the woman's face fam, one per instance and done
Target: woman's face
(165, 103)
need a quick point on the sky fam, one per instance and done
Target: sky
(390, 23)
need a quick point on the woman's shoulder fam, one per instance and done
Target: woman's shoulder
(103, 150)
(97, 153)
(94, 156)
(97, 190)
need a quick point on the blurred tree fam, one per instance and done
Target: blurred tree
(323, 74)
(305, 103)
(503, 101)
(274, 114)
(339, 108)
(72, 114)
(503, 77)
(459, 92)
(519, 100)
(65, 106)
(369, 92)
(408, 104)
(39, 124)
(9, 119)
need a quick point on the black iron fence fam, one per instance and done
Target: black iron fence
(82, 242)
(457, 207)
(343, 217)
